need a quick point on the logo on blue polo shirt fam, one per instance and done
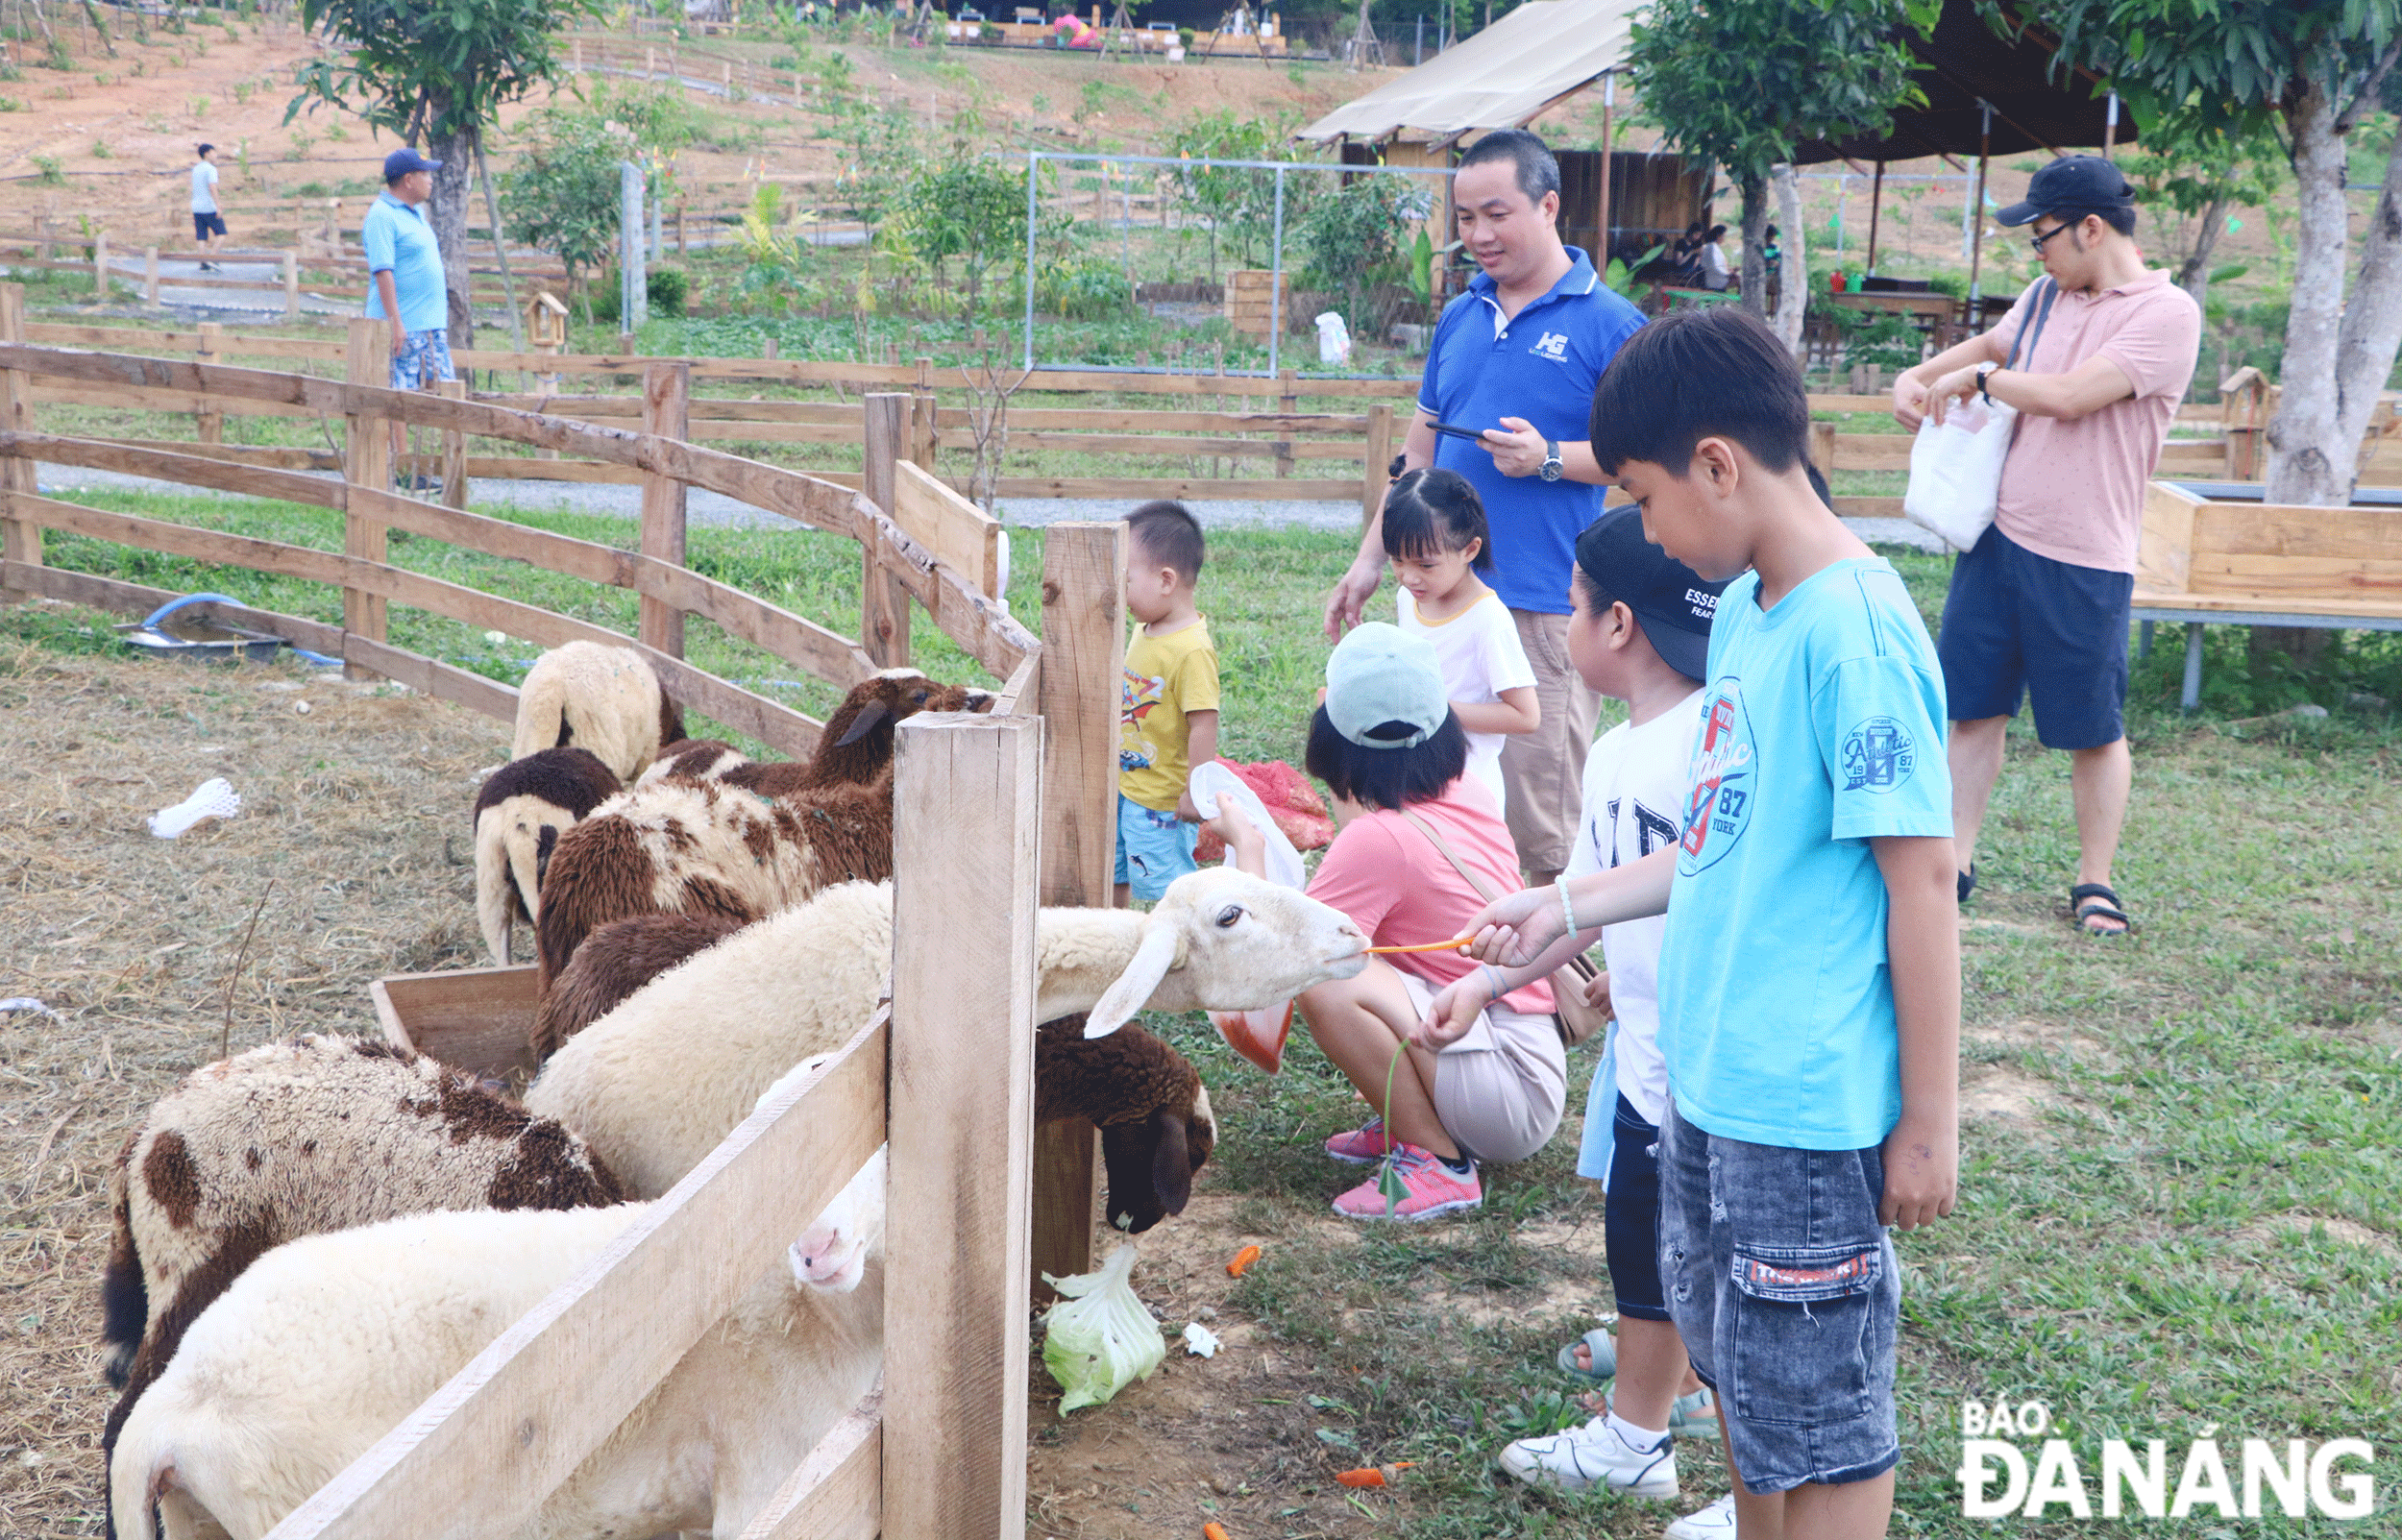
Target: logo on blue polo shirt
(1552, 345)
(1719, 807)
(1878, 755)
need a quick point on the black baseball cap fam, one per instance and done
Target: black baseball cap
(1673, 603)
(2079, 184)
(401, 162)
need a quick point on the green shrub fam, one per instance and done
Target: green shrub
(669, 288)
(1084, 288)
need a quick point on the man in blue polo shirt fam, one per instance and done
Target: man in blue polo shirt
(1517, 358)
(404, 273)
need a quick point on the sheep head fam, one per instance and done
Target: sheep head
(832, 1254)
(1222, 940)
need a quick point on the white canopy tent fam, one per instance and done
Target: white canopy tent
(1501, 78)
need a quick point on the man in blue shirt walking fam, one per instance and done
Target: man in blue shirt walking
(405, 278)
(1517, 356)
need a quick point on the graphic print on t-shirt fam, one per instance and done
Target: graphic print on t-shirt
(1719, 807)
(1137, 693)
(1653, 831)
(1879, 755)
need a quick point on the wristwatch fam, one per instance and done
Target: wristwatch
(1982, 375)
(1552, 466)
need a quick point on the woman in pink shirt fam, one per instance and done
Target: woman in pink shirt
(1389, 748)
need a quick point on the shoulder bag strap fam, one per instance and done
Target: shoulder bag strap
(1582, 967)
(2043, 313)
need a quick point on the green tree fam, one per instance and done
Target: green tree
(967, 207)
(1351, 240)
(435, 75)
(2309, 71)
(2202, 171)
(1238, 203)
(1744, 81)
(562, 194)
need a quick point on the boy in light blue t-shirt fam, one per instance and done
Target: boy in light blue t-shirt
(1809, 978)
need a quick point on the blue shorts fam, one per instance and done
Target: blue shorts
(425, 359)
(1783, 1285)
(2019, 623)
(205, 225)
(1152, 848)
(1631, 1216)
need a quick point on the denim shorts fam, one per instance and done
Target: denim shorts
(1154, 849)
(1783, 1285)
(423, 359)
(1630, 1215)
(2017, 624)
(207, 225)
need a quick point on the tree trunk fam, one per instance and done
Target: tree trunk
(455, 149)
(1793, 280)
(2338, 356)
(2193, 274)
(1754, 279)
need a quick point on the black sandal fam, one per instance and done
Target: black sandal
(1968, 883)
(2104, 906)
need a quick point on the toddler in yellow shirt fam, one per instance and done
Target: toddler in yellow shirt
(1167, 720)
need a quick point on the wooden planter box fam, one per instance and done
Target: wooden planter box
(1250, 301)
(479, 1020)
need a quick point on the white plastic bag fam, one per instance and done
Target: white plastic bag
(1099, 1339)
(1334, 339)
(215, 798)
(1955, 470)
(1213, 782)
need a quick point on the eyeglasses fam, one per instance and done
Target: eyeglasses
(2038, 241)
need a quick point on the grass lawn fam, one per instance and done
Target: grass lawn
(2182, 1152)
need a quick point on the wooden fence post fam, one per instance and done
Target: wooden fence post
(665, 411)
(1291, 406)
(883, 600)
(1379, 454)
(20, 542)
(366, 462)
(150, 276)
(211, 425)
(291, 286)
(1078, 684)
(1823, 447)
(453, 449)
(965, 844)
(100, 264)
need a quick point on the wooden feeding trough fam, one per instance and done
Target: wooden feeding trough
(2213, 551)
(477, 1020)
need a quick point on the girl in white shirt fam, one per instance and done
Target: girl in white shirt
(1437, 539)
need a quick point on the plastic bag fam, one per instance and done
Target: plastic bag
(215, 798)
(1291, 802)
(1955, 470)
(1334, 339)
(1099, 1339)
(1212, 783)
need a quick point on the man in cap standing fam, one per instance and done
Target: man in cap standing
(2039, 608)
(404, 277)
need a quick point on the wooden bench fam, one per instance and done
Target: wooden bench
(2203, 561)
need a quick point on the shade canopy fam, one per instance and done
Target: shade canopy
(1498, 79)
(1964, 63)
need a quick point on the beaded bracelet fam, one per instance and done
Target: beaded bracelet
(1567, 911)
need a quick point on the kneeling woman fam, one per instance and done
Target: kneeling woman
(1416, 837)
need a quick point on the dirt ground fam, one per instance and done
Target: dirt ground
(356, 810)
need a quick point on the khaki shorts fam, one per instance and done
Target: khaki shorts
(1544, 770)
(1500, 1090)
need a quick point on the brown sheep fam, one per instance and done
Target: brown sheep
(605, 698)
(270, 1145)
(858, 740)
(520, 811)
(1157, 1129)
(615, 961)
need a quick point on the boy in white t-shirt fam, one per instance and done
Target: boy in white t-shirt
(1437, 539)
(1640, 634)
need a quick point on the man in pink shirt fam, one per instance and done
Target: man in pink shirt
(2039, 607)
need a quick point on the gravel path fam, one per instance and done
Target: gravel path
(711, 509)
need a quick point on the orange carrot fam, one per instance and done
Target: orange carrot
(1365, 1475)
(1242, 1260)
(1213, 1531)
(1451, 945)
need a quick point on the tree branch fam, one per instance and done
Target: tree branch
(2349, 118)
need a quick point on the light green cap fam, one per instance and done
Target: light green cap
(1381, 674)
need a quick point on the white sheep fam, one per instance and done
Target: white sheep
(605, 698)
(327, 1344)
(655, 1083)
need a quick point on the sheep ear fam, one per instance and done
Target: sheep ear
(1131, 989)
(1171, 1163)
(871, 716)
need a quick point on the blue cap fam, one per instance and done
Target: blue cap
(1381, 674)
(401, 162)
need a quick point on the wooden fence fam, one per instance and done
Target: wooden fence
(991, 811)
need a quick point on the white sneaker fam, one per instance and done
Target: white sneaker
(1594, 1455)
(1717, 1522)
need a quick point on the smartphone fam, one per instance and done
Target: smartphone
(1473, 435)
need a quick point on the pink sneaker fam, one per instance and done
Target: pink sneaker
(1363, 1145)
(1430, 1189)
